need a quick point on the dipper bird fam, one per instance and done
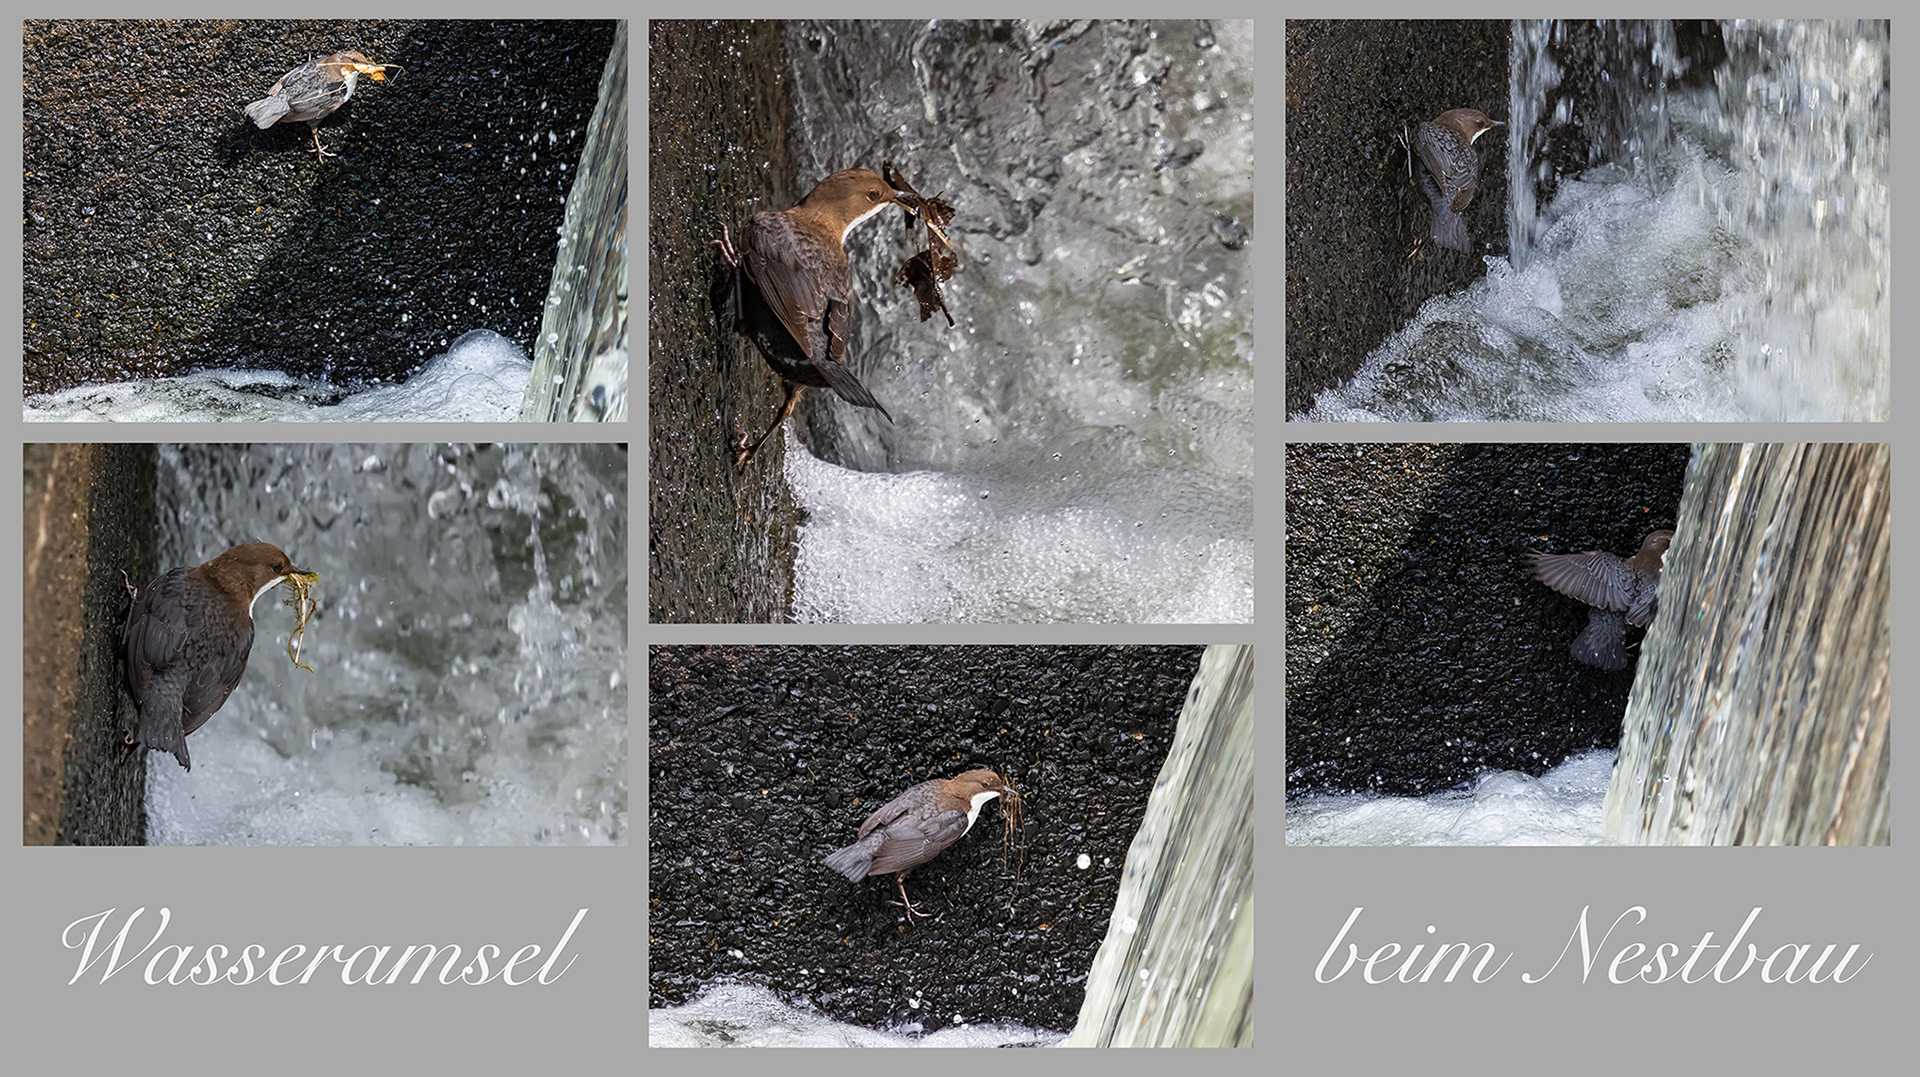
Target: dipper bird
(1622, 591)
(913, 827)
(792, 290)
(312, 92)
(1452, 173)
(187, 639)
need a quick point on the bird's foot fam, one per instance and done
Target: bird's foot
(725, 243)
(912, 909)
(132, 591)
(906, 902)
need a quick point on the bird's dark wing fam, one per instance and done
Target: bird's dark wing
(895, 808)
(310, 91)
(1596, 577)
(907, 845)
(836, 327)
(153, 638)
(213, 682)
(1457, 172)
(798, 275)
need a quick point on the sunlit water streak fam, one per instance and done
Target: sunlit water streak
(1760, 712)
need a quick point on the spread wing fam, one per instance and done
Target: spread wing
(1596, 577)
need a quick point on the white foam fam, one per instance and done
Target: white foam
(1640, 306)
(1564, 806)
(482, 377)
(926, 546)
(741, 1015)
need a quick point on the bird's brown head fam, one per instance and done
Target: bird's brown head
(1471, 123)
(1653, 552)
(982, 785)
(848, 197)
(985, 781)
(244, 573)
(342, 62)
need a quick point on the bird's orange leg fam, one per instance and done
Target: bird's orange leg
(746, 453)
(900, 880)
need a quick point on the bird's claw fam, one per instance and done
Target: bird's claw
(912, 909)
(725, 243)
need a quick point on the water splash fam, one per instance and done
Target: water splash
(1690, 242)
(471, 647)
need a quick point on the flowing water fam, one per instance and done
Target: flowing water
(1722, 253)
(580, 357)
(1760, 712)
(1176, 968)
(470, 653)
(1079, 446)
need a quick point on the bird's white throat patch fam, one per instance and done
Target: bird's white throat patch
(979, 801)
(848, 230)
(270, 585)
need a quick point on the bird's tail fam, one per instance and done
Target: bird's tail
(854, 860)
(1603, 644)
(1449, 228)
(267, 111)
(160, 726)
(842, 382)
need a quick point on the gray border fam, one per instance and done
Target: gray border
(1522, 897)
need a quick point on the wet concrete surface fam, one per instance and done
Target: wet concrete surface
(1420, 651)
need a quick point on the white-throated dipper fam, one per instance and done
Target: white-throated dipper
(913, 827)
(1621, 590)
(1444, 145)
(188, 636)
(312, 92)
(792, 289)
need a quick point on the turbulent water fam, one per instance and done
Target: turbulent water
(1725, 255)
(481, 378)
(470, 653)
(1565, 806)
(1079, 446)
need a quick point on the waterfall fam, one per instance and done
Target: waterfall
(1176, 968)
(1760, 712)
(1699, 228)
(580, 357)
